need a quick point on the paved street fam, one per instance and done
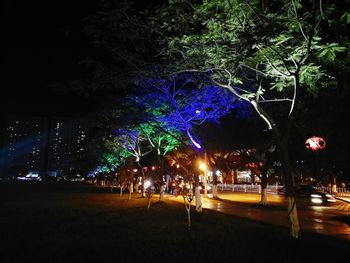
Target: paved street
(317, 219)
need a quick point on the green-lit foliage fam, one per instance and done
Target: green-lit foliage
(114, 157)
(262, 51)
(279, 41)
(162, 139)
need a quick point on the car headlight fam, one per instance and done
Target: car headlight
(316, 200)
(316, 196)
(328, 195)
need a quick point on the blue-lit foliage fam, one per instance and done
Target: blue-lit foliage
(128, 138)
(185, 101)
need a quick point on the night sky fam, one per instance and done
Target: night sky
(42, 43)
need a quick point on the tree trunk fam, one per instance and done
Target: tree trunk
(264, 181)
(292, 213)
(293, 217)
(197, 193)
(161, 181)
(215, 191)
(149, 202)
(130, 189)
(143, 194)
(129, 176)
(137, 186)
(287, 169)
(206, 174)
(263, 196)
(334, 184)
(188, 209)
(161, 194)
(215, 186)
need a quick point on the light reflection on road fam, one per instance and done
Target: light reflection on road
(317, 219)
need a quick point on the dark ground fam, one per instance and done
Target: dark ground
(70, 222)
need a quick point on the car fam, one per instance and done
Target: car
(308, 194)
(314, 195)
(202, 187)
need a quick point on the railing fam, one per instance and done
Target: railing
(338, 191)
(273, 189)
(248, 188)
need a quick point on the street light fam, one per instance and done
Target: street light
(203, 166)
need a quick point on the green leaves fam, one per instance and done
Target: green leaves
(346, 17)
(329, 52)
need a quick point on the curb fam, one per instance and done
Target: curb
(341, 199)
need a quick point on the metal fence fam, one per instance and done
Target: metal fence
(273, 189)
(338, 191)
(248, 188)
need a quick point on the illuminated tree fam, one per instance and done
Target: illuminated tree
(163, 140)
(184, 102)
(132, 141)
(260, 161)
(263, 52)
(114, 160)
(185, 159)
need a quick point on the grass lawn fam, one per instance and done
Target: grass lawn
(69, 222)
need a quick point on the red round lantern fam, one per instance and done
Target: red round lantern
(315, 143)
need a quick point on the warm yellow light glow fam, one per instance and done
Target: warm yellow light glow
(202, 166)
(147, 184)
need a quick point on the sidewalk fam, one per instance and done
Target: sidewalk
(325, 220)
(251, 198)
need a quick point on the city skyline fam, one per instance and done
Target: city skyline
(46, 145)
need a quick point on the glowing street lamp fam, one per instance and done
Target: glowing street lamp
(203, 166)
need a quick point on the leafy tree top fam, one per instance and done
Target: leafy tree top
(184, 101)
(269, 45)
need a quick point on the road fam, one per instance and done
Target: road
(317, 219)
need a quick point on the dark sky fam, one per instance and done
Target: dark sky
(42, 43)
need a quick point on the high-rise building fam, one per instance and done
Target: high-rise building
(67, 145)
